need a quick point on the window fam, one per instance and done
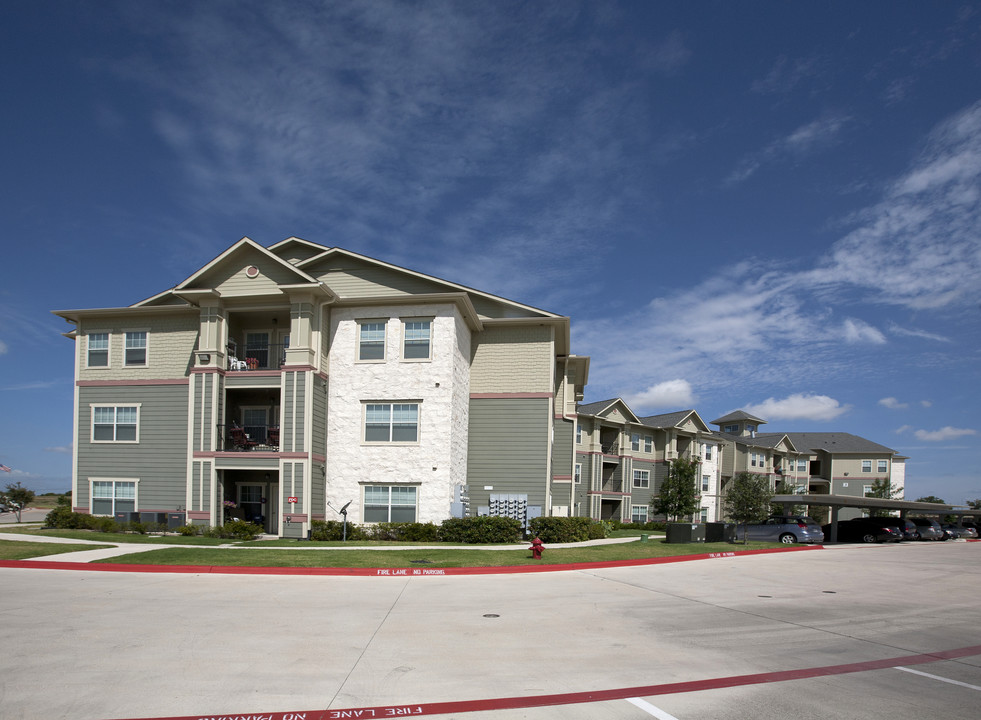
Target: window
(578, 474)
(883, 466)
(112, 496)
(416, 335)
(578, 434)
(115, 424)
(391, 422)
(98, 350)
(642, 478)
(802, 466)
(708, 452)
(757, 459)
(371, 340)
(638, 513)
(751, 429)
(384, 503)
(866, 490)
(257, 350)
(635, 442)
(704, 514)
(734, 429)
(705, 483)
(135, 348)
(648, 443)
(867, 466)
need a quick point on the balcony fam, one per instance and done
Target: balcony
(248, 438)
(266, 356)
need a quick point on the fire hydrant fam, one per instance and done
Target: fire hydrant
(536, 548)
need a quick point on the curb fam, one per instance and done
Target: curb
(383, 572)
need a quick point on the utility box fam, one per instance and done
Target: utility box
(175, 520)
(685, 533)
(720, 532)
(153, 518)
(126, 517)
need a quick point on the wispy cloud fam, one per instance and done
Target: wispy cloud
(786, 74)
(61, 449)
(858, 331)
(799, 407)
(944, 433)
(36, 385)
(893, 404)
(804, 140)
(668, 394)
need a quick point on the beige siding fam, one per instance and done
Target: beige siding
(351, 278)
(171, 340)
(512, 359)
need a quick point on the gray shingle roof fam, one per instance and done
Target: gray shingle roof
(736, 417)
(594, 407)
(836, 442)
(666, 420)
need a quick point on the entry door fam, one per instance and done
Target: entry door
(251, 500)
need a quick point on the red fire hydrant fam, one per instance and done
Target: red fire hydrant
(536, 548)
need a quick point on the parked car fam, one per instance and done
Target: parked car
(954, 532)
(927, 529)
(869, 530)
(787, 529)
(906, 527)
(973, 525)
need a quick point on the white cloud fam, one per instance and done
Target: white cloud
(671, 393)
(858, 331)
(892, 403)
(3, 348)
(944, 433)
(799, 407)
(804, 140)
(62, 449)
(908, 332)
(926, 403)
(903, 429)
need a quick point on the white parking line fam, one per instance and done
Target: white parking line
(648, 708)
(941, 679)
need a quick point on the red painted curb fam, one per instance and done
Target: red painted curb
(515, 703)
(381, 572)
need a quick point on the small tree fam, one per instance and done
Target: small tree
(882, 488)
(931, 499)
(679, 493)
(748, 499)
(16, 497)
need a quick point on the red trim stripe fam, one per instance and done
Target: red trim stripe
(517, 703)
(509, 396)
(124, 383)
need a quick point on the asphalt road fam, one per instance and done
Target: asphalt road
(99, 646)
(28, 515)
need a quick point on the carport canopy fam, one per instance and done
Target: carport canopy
(836, 502)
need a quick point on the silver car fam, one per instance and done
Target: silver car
(927, 529)
(788, 529)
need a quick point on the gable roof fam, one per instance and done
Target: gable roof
(676, 420)
(604, 407)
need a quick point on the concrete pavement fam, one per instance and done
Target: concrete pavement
(105, 645)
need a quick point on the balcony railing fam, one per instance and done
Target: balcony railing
(258, 357)
(246, 438)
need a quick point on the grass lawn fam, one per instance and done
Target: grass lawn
(25, 550)
(453, 556)
(120, 538)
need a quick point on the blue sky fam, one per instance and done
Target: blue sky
(765, 206)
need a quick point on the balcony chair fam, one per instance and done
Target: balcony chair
(240, 441)
(272, 437)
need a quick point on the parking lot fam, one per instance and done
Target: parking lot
(864, 631)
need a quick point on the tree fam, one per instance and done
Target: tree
(931, 498)
(16, 497)
(679, 493)
(882, 488)
(974, 504)
(748, 499)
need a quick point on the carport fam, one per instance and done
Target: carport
(836, 502)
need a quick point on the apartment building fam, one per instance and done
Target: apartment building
(282, 384)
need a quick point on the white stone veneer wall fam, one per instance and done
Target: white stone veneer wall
(710, 498)
(439, 461)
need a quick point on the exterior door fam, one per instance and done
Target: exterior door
(252, 501)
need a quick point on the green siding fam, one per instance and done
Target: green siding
(158, 460)
(508, 448)
(563, 438)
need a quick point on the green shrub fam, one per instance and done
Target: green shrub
(560, 529)
(187, 530)
(480, 530)
(333, 531)
(63, 518)
(233, 530)
(405, 532)
(103, 524)
(599, 530)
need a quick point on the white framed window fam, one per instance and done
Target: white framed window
(705, 483)
(108, 496)
(115, 423)
(389, 503)
(635, 442)
(733, 429)
(704, 514)
(135, 348)
(642, 478)
(371, 340)
(98, 350)
(579, 434)
(578, 473)
(866, 490)
(391, 422)
(417, 339)
(883, 466)
(648, 443)
(867, 466)
(638, 513)
(708, 452)
(801, 466)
